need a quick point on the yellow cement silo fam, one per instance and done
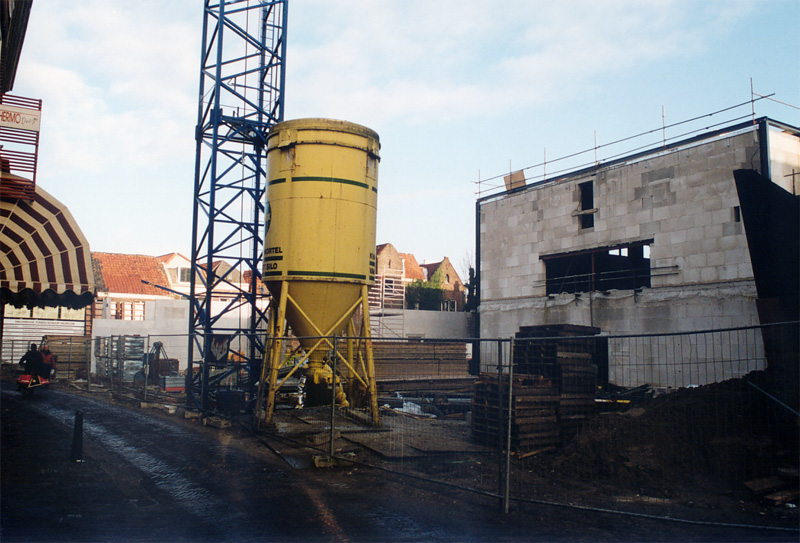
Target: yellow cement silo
(319, 256)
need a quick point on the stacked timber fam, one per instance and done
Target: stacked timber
(565, 354)
(419, 359)
(577, 387)
(72, 355)
(533, 412)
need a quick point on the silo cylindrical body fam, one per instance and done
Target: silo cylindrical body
(320, 220)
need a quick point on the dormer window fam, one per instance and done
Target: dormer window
(185, 275)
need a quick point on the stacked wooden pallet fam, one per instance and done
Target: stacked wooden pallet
(534, 420)
(71, 355)
(565, 354)
(577, 387)
(538, 348)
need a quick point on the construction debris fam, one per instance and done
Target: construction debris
(776, 489)
(216, 422)
(169, 409)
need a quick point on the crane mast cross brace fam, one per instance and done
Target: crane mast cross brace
(242, 73)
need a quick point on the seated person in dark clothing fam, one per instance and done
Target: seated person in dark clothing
(33, 360)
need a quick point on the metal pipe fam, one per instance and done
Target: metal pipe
(275, 353)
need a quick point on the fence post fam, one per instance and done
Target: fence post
(506, 495)
(500, 477)
(69, 363)
(120, 348)
(333, 399)
(146, 368)
(89, 351)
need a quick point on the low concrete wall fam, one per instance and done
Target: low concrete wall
(651, 360)
(436, 324)
(166, 321)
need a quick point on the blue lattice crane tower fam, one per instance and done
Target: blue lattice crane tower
(241, 96)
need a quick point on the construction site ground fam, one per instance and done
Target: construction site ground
(48, 497)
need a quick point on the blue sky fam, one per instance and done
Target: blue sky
(457, 90)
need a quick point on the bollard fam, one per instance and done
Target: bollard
(77, 438)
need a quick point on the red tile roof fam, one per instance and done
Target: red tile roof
(412, 268)
(168, 256)
(123, 274)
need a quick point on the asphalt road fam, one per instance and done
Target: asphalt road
(152, 478)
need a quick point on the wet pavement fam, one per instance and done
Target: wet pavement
(146, 477)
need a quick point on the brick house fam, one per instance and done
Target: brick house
(454, 289)
(394, 271)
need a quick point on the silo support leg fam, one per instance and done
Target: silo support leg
(260, 412)
(373, 388)
(275, 353)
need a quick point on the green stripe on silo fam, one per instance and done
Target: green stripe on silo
(332, 180)
(327, 274)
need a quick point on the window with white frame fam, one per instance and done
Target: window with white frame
(185, 275)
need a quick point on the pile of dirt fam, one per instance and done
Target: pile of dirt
(713, 436)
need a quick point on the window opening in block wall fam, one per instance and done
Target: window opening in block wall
(623, 267)
(586, 191)
(126, 311)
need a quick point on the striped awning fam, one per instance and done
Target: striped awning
(44, 256)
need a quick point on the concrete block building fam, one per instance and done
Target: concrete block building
(654, 242)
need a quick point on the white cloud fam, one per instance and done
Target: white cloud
(118, 86)
(410, 60)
